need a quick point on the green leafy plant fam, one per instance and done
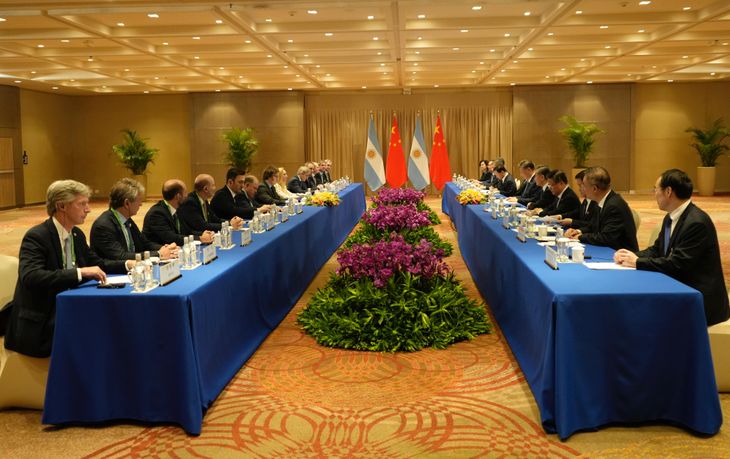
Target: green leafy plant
(580, 138)
(432, 216)
(407, 314)
(134, 153)
(242, 146)
(709, 143)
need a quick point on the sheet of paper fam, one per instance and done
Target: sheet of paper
(605, 265)
(118, 279)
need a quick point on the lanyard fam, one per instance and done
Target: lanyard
(127, 234)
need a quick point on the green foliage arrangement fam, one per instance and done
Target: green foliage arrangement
(408, 314)
(134, 153)
(367, 234)
(242, 146)
(432, 216)
(580, 138)
(709, 143)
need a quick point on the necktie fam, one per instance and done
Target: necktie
(177, 222)
(68, 253)
(667, 233)
(128, 230)
(205, 210)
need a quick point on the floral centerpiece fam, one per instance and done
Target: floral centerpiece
(470, 196)
(393, 290)
(400, 196)
(324, 199)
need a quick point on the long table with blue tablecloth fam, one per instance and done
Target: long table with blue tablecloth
(165, 355)
(596, 347)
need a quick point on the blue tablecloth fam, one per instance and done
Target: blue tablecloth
(165, 355)
(596, 347)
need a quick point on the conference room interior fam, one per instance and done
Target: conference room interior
(643, 95)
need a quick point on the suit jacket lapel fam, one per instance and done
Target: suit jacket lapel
(678, 227)
(55, 243)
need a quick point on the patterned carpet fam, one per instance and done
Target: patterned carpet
(294, 398)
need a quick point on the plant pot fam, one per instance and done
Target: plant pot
(706, 180)
(143, 180)
(571, 179)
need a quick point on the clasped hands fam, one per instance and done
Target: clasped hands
(625, 257)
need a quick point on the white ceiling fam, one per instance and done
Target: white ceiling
(87, 47)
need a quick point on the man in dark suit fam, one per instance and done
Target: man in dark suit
(584, 215)
(528, 189)
(114, 235)
(248, 197)
(195, 211)
(266, 194)
(566, 200)
(54, 257)
(687, 248)
(614, 226)
(228, 201)
(544, 197)
(162, 223)
(505, 182)
(298, 183)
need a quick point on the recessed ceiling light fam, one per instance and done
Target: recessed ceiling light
(126, 70)
(221, 68)
(418, 52)
(17, 81)
(164, 43)
(670, 81)
(589, 82)
(464, 30)
(327, 74)
(582, 59)
(492, 50)
(104, 87)
(382, 64)
(512, 84)
(420, 38)
(297, 75)
(476, 8)
(289, 89)
(550, 34)
(629, 74)
(481, 62)
(247, 41)
(3, 19)
(90, 59)
(435, 86)
(54, 88)
(41, 46)
(685, 57)
(530, 49)
(641, 30)
(267, 19)
(364, 87)
(712, 73)
(473, 71)
(312, 11)
(380, 53)
(687, 8)
(454, 49)
(268, 56)
(503, 70)
(120, 24)
(579, 12)
(217, 90)
(153, 15)
(527, 13)
(219, 21)
(376, 38)
(371, 17)
(146, 92)
(196, 57)
(507, 35)
(421, 16)
(416, 64)
(65, 41)
(196, 38)
(157, 78)
(290, 41)
(607, 46)
(547, 76)
(645, 2)
(514, 62)
(317, 66)
(72, 80)
(562, 69)
(286, 67)
(724, 43)
(33, 72)
(604, 27)
(328, 34)
(306, 55)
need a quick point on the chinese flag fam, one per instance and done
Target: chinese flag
(395, 167)
(440, 168)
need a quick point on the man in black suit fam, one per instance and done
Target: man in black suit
(114, 235)
(266, 194)
(528, 189)
(195, 211)
(583, 216)
(544, 197)
(228, 201)
(298, 183)
(326, 167)
(505, 182)
(248, 197)
(54, 257)
(687, 248)
(566, 200)
(614, 226)
(163, 225)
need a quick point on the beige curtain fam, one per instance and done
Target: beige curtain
(471, 134)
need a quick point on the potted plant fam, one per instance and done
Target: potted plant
(242, 146)
(709, 145)
(135, 155)
(580, 139)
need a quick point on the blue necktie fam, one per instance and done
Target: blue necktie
(667, 233)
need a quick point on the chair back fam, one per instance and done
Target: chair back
(8, 277)
(637, 219)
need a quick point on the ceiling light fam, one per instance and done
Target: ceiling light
(221, 68)
(312, 11)
(267, 19)
(413, 73)
(642, 30)
(492, 50)
(687, 8)
(420, 38)
(514, 62)
(380, 53)
(153, 15)
(164, 43)
(527, 13)
(364, 87)
(604, 27)
(481, 62)
(435, 86)
(297, 75)
(712, 73)
(328, 74)
(41, 46)
(317, 66)
(589, 82)
(196, 57)
(146, 92)
(579, 12)
(290, 41)
(562, 69)
(33, 72)
(454, 49)
(286, 67)
(547, 76)
(473, 71)
(157, 78)
(3, 19)
(219, 21)
(17, 81)
(376, 38)
(120, 24)
(550, 34)
(464, 30)
(416, 64)
(418, 52)
(90, 59)
(685, 57)
(247, 41)
(607, 46)
(503, 70)
(196, 38)
(370, 18)
(670, 81)
(289, 89)
(582, 59)
(328, 34)
(306, 55)
(72, 80)
(512, 84)
(126, 70)
(421, 16)
(54, 88)
(507, 35)
(645, 2)
(268, 56)
(530, 49)
(65, 41)
(217, 90)
(476, 8)
(103, 87)
(382, 64)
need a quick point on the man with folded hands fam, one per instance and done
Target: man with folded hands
(195, 210)
(565, 198)
(162, 223)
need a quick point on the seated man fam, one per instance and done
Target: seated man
(544, 197)
(505, 182)
(115, 236)
(583, 216)
(266, 193)
(687, 248)
(327, 168)
(226, 202)
(566, 200)
(54, 257)
(528, 188)
(248, 197)
(162, 223)
(614, 226)
(298, 183)
(312, 179)
(195, 211)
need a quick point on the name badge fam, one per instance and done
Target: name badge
(521, 234)
(209, 254)
(551, 257)
(245, 236)
(169, 272)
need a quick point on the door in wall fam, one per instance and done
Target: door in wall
(7, 173)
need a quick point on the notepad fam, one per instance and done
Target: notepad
(605, 266)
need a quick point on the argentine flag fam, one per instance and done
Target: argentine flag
(374, 170)
(417, 160)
